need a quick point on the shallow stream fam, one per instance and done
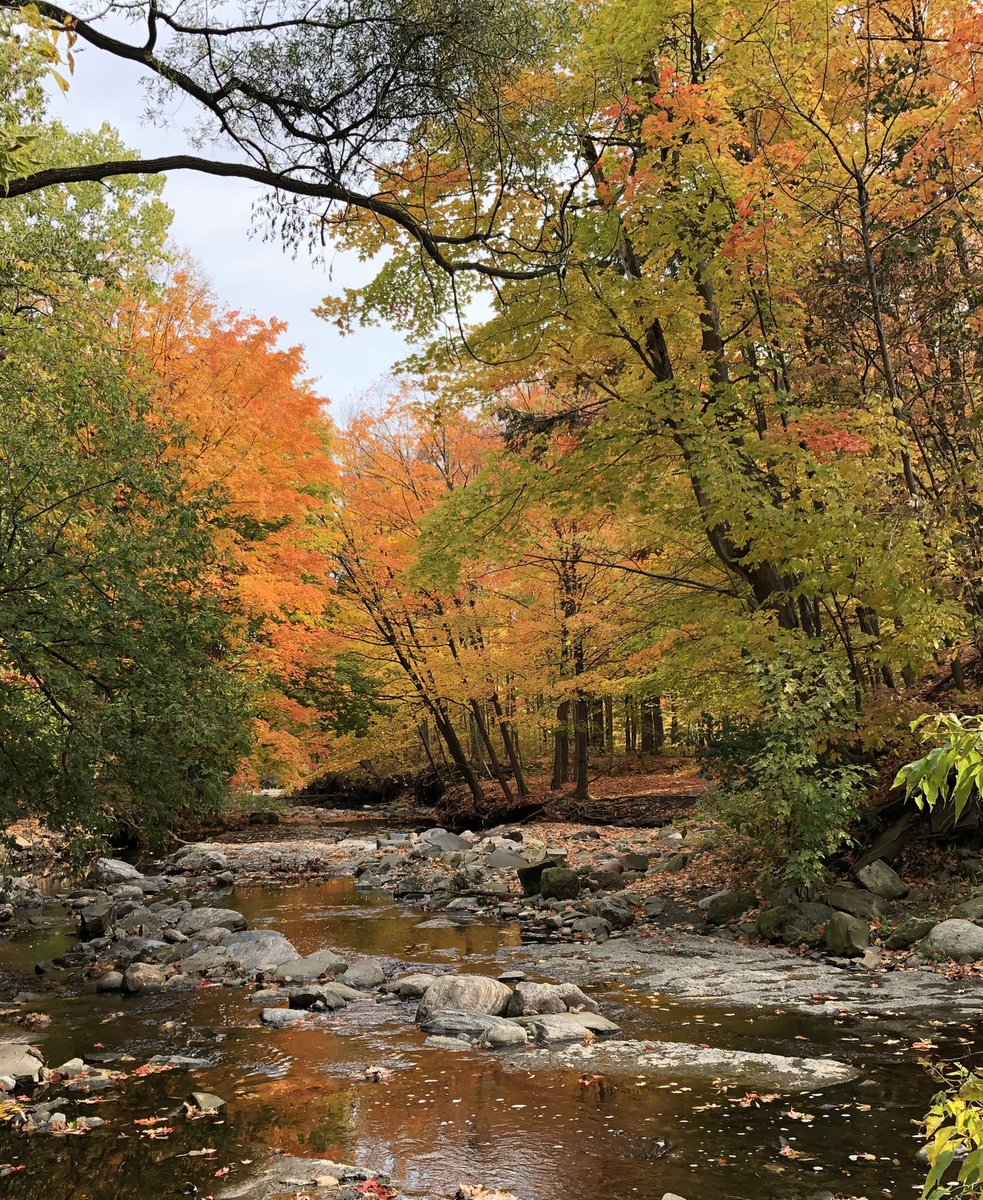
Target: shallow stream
(444, 1117)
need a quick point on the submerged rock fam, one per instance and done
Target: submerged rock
(773, 1071)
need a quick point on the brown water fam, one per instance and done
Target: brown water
(445, 1117)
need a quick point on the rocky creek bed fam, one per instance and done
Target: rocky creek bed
(401, 1013)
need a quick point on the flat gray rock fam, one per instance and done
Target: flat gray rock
(411, 987)
(567, 1026)
(206, 918)
(313, 966)
(255, 949)
(475, 1027)
(682, 1060)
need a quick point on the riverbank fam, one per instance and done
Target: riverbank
(281, 975)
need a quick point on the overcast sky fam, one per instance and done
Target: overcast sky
(212, 222)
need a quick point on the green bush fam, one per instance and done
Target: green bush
(784, 778)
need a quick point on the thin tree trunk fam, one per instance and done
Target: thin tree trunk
(582, 748)
(561, 747)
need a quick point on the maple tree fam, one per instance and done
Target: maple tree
(256, 436)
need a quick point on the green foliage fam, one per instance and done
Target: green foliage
(781, 778)
(952, 770)
(118, 704)
(954, 1126)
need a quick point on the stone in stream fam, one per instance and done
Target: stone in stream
(316, 998)
(21, 1063)
(305, 970)
(198, 860)
(475, 1027)
(559, 883)
(882, 880)
(280, 1018)
(567, 1026)
(439, 1042)
(411, 987)
(288, 1176)
(199, 919)
(142, 977)
(532, 998)
(847, 936)
(107, 871)
(95, 921)
(206, 1102)
(258, 949)
(110, 981)
(365, 974)
(442, 840)
(475, 993)
(855, 902)
(953, 939)
(773, 1072)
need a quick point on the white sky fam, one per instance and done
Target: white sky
(212, 223)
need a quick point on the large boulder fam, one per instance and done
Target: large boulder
(105, 872)
(474, 993)
(530, 877)
(365, 974)
(96, 920)
(201, 860)
(789, 924)
(313, 966)
(21, 1063)
(533, 998)
(616, 910)
(205, 918)
(971, 909)
(882, 880)
(142, 977)
(316, 997)
(847, 936)
(855, 902)
(568, 1027)
(727, 905)
(258, 949)
(953, 939)
(559, 883)
(411, 987)
(475, 1027)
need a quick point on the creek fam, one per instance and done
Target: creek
(441, 1117)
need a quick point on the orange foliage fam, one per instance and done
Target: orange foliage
(256, 431)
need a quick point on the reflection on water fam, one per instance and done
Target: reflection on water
(444, 1117)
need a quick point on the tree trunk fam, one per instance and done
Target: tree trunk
(581, 723)
(561, 747)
